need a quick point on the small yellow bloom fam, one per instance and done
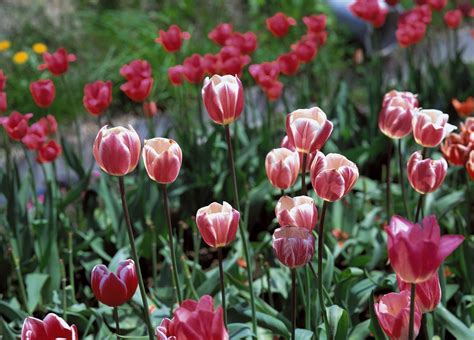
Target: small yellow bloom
(40, 48)
(4, 45)
(20, 57)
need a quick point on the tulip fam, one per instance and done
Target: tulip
(223, 98)
(43, 92)
(193, 69)
(221, 33)
(395, 118)
(465, 108)
(211, 63)
(453, 18)
(437, 5)
(430, 127)
(428, 293)
(417, 250)
(172, 40)
(245, 42)
(288, 63)
(274, 90)
(52, 327)
(285, 143)
(49, 125)
(16, 125)
(298, 211)
(48, 152)
(137, 89)
(194, 320)
(58, 62)
(150, 109)
(97, 96)
(282, 167)
(409, 98)
(412, 24)
(265, 73)
(370, 10)
(279, 24)
(308, 129)
(231, 61)
(114, 289)
(333, 176)
(305, 50)
(315, 23)
(162, 158)
(456, 149)
(293, 246)
(3, 80)
(137, 68)
(35, 137)
(218, 224)
(393, 312)
(176, 75)
(117, 150)
(470, 165)
(3, 101)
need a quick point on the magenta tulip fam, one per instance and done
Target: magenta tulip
(52, 327)
(428, 293)
(426, 175)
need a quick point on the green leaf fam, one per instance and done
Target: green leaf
(374, 321)
(10, 312)
(6, 332)
(72, 159)
(452, 323)
(303, 334)
(338, 322)
(361, 331)
(34, 285)
(239, 331)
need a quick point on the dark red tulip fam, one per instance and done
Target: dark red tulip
(453, 18)
(176, 74)
(16, 124)
(137, 68)
(48, 152)
(137, 89)
(3, 101)
(193, 69)
(392, 2)
(49, 124)
(172, 40)
(315, 23)
(97, 96)
(52, 327)
(245, 42)
(265, 73)
(231, 61)
(279, 24)
(221, 33)
(35, 137)
(370, 11)
(58, 62)
(288, 63)
(43, 92)
(318, 38)
(305, 50)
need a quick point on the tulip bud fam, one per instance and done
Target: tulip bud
(393, 312)
(218, 224)
(223, 97)
(97, 96)
(430, 127)
(137, 89)
(426, 175)
(298, 211)
(43, 92)
(282, 167)
(293, 246)
(51, 327)
(176, 75)
(114, 289)
(395, 118)
(117, 150)
(428, 293)
(453, 18)
(417, 250)
(221, 33)
(162, 158)
(333, 176)
(308, 129)
(16, 124)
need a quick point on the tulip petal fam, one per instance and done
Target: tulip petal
(447, 244)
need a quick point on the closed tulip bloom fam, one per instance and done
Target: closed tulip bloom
(221, 33)
(417, 250)
(395, 118)
(35, 137)
(52, 327)
(305, 50)
(288, 63)
(308, 129)
(114, 289)
(293, 246)
(279, 24)
(370, 10)
(333, 176)
(172, 40)
(456, 149)
(223, 97)
(426, 175)
(282, 166)
(430, 127)
(453, 18)
(117, 150)
(58, 62)
(245, 42)
(298, 211)
(48, 152)
(162, 158)
(428, 293)
(315, 23)
(16, 124)
(194, 320)
(49, 124)
(97, 96)
(193, 69)
(273, 90)
(43, 92)
(137, 89)
(393, 312)
(410, 98)
(137, 68)
(218, 224)
(176, 75)
(3, 102)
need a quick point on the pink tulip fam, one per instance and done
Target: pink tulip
(117, 150)
(52, 327)
(285, 143)
(223, 97)
(298, 211)
(308, 129)
(430, 127)
(426, 175)
(218, 224)
(333, 176)
(162, 158)
(395, 118)
(293, 246)
(282, 167)
(408, 97)
(417, 250)
(393, 312)
(428, 293)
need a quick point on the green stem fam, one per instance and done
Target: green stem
(412, 312)
(117, 322)
(188, 277)
(71, 263)
(320, 267)
(21, 283)
(222, 279)
(308, 299)
(269, 285)
(242, 232)
(304, 190)
(387, 187)
(401, 170)
(419, 207)
(64, 284)
(141, 285)
(154, 259)
(293, 303)
(32, 175)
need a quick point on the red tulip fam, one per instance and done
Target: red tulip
(369, 10)
(48, 152)
(416, 251)
(210, 63)
(114, 289)
(395, 118)
(35, 137)
(218, 224)
(289, 63)
(231, 61)
(430, 127)
(172, 40)
(97, 96)
(16, 125)
(221, 33)
(176, 75)
(223, 98)
(43, 92)
(426, 175)
(3, 80)
(316, 38)
(315, 23)
(162, 158)
(274, 90)
(333, 176)
(411, 27)
(437, 5)
(428, 293)
(453, 18)
(58, 62)
(137, 89)
(193, 69)
(245, 42)
(136, 69)
(393, 312)
(265, 73)
(305, 50)
(279, 24)
(194, 320)
(293, 246)
(3, 101)
(117, 150)
(282, 167)
(49, 125)
(297, 211)
(150, 109)
(308, 129)
(470, 165)
(52, 327)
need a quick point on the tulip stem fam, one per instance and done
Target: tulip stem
(71, 264)
(293, 303)
(174, 266)
(242, 231)
(402, 179)
(222, 279)
(412, 311)
(269, 284)
(62, 271)
(135, 258)
(320, 268)
(32, 175)
(153, 256)
(387, 188)
(419, 207)
(304, 190)
(117, 322)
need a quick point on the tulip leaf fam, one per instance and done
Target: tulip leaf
(338, 322)
(374, 321)
(34, 284)
(361, 331)
(6, 332)
(453, 324)
(11, 312)
(72, 159)
(303, 334)
(239, 331)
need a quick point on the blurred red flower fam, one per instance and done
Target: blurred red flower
(172, 40)
(48, 152)
(453, 18)
(16, 124)
(369, 10)
(97, 96)
(43, 92)
(58, 62)
(221, 33)
(279, 24)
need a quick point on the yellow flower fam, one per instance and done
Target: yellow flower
(20, 57)
(40, 48)
(4, 45)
